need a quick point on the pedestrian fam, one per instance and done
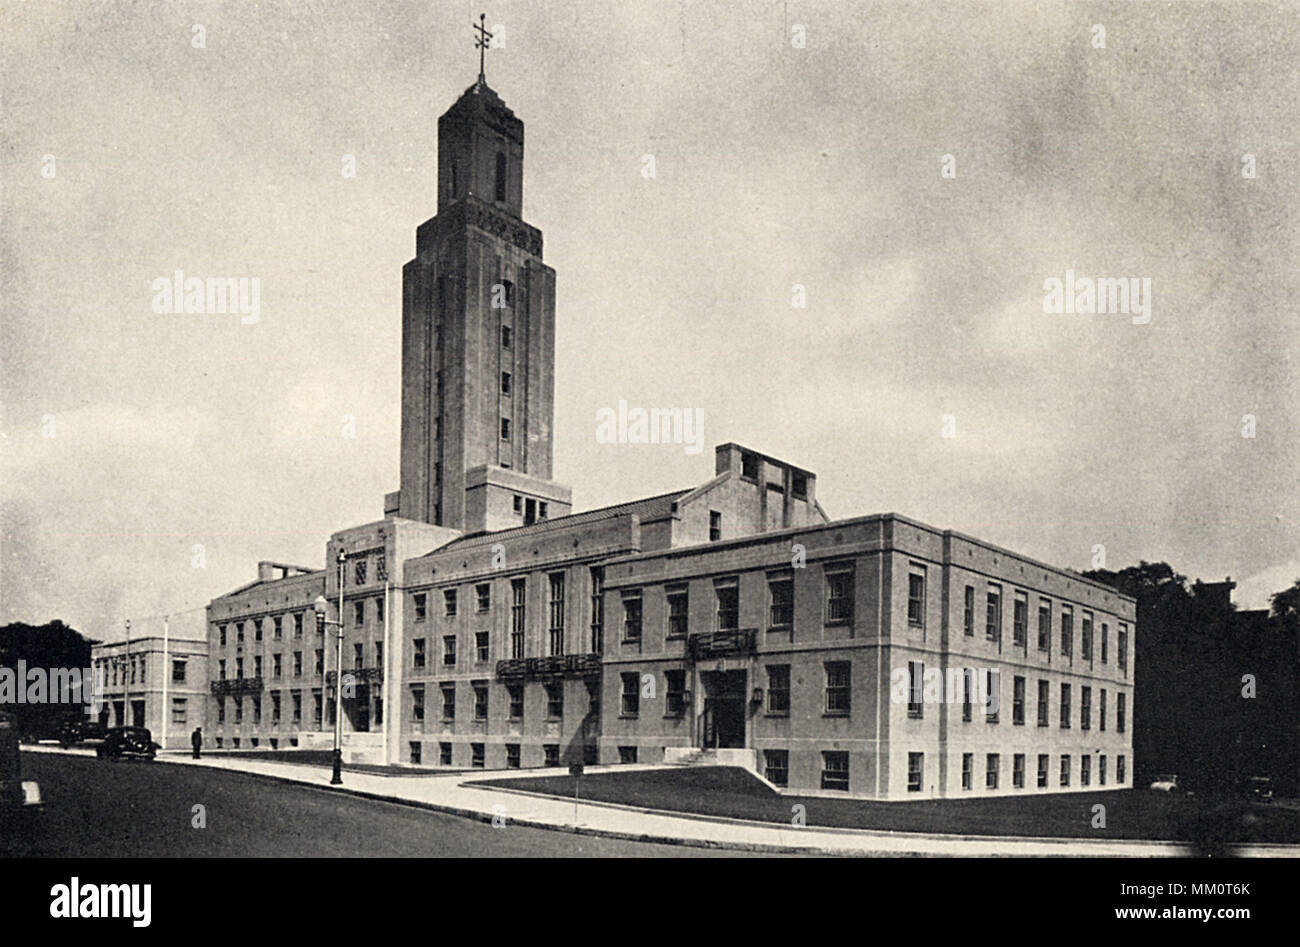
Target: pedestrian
(196, 741)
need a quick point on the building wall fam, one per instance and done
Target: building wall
(169, 723)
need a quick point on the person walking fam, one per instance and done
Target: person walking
(196, 741)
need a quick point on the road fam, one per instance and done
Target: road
(133, 809)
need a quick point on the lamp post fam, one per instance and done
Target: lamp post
(322, 607)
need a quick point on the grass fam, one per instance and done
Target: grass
(325, 759)
(731, 792)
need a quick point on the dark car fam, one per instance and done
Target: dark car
(81, 730)
(16, 794)
(127, 743)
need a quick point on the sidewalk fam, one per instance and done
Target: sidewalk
(456, 793)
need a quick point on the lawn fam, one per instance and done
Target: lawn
(322, 758)
(1130, 814)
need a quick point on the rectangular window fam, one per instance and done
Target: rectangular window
(449, 700)
(297, 626)
(1044, 763)
(1065, 706)
(1044, 624)
(916, 596)
(993, 617)
(968, 615)
(632, 615)
(915, 697)
(417, 659)
(480, 700)
(481, 645)
(516, 694)
(556, 629)
(275, 708)
(483, 595)
(257, 630)
(1085, 769)
(257, 666)
(295, 700)
(444, 754)
(1017, 701)
(1020, 620)
(1105, 642)
(1085, 643)
(915, 771)
(1101, 771)
(221, 710)
(221, 630)
(420, 606)
(1120, 772)
(727, 592)
(993, 685)
(358, 655)
(448, 650)
(178, 672)
(1101, 711)
(505, 383)
(239, 669)
(505, 429)
(1018, 771)
(417, 703)
(1119, 712)
(477, 756)
(674, 698)
(626, 754)
(1085, 708)
(277, 628)
(414, 748)
(178, 711)
(838, 688)
(1044, 702)
(715, 526)
(554, 700)
(839, 596)
(379, 610)
(597, 609)
(630, 697)
(276, 661)
(780, 591)
(449, 603)
(359, 572)
(677, 611)
(239, 710)
(239, 632)
(967, 770)
(359, 613)
(778, 688)
(512, 755)
(1121, 647)
(967, 689)
(991, 771)
(518, 594)
(835, 769)
(776, 767)
(505, 337)
(1067, 631)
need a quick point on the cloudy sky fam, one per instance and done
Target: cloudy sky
(149, 460)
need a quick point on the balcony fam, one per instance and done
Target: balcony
(370, 675)
(553, 668)
(237, 685)
(713, 644)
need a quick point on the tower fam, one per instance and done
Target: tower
(478, 337)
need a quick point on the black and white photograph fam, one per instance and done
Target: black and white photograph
(837, 430)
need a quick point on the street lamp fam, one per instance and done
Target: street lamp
(321, 607)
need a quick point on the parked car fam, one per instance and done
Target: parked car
(127, 743)
(1259, 789)
(81, 730)
(18, 796)
(1167, 783)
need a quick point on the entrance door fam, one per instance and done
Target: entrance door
(359, 708)
(137, 713)
(724, 709)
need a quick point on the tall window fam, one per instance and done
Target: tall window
(1020, 620)
(1085, 708)
(516, 694)
(597, 609)
(915, 771)
(968, 615)
(1018, 701)
(993, 623)
(449, 701)
(1065, 770)
(630, 695)
(838, 687)
(728, 600)
(480, 700)
(1044, 763)
(1067, 631)
(915, 696)
(916, 596)
(557, 613)
(835, 769)
(1018, 771)
(449, 650)
(1101, 711)
(501, 176)
(421, 607)
(1105, 644)
(715, 526)
(418, 659)
(518, 591)
(449, 603)
(1044, 624)
(677, 610)
(778, 688)
(675, 693)
(1085, 644)
(991, 771)
(483, 595)
(839, 596)
(967, 689)
(993, 688)
(1044, 700)
(967, 770)
(1121, 647)
(1119, 712)
(1065, 706)
(632, 615)
(780, 591)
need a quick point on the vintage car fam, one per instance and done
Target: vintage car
(81, 730)
(17, 795)
(127, 743)
(1167, 783)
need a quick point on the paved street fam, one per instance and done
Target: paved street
(125, 809)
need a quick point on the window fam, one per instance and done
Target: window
(418, 657)
(675, 696)
(519, 504)
(1101, 771)
(444, 754)
(257, 630)
(239, 710)
(449, 700)
(967, 770)
(1044, 763)
(477, 757)
(1018, 701)
(776, 767)
(295, 700)
(417, 703)
(501, 176)
(1044, 701)
(358, 655)
(1018, 771)
(780, 590)
(557, 613)
(968, 688)
(1085, 709)
(505, 429)
(1119, 712)
(993, 624)
(916, 597)
(1085, 769)
(1020, 620)
(1086, 643)
(838, 688)
(275, 708)
(915, 771)
(1101, 710)
(221, 630)
(379, 610)
(839, 596)
(359, 572)
(448, 650)
(518, 594)
(915, 676)
(297, 626)
(630, 698)
(1067, 631)
(554, 700)
(239, 632)
(481, 646)
(505, 337)
(1065, 706)
(1044, 624)
(597, 609)
(483, 594)
(835, 769)
(239, 669)
(749, 466)
(512, 756)
(632, 615)
(1065, 770)
(677, 611)
(715, 526)
(1105, 643)
(276, 660)
(991, 771)
(178, 711)
(626, 754)
(1120, 769)
(515, 693)
(505, 383)
(799, 486)
(414, 747)
(480, 700)
(727, 592)
(968, 613)
(277, 631)
(178, 672)
(420, 606)
(257, 666)
(221, 710)
(778, 689)
(449, 603)
(1121, 647)
(257, 710)
(317, 703)
(993, 685)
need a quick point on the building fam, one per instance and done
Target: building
(156, 682)
(486, 625)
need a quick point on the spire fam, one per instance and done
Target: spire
(481, 44)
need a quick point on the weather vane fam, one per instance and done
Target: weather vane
(481, 43)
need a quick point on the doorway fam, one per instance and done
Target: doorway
(724, 709)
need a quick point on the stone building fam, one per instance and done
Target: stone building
(156, 682)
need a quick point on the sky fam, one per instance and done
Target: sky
(149, 460)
